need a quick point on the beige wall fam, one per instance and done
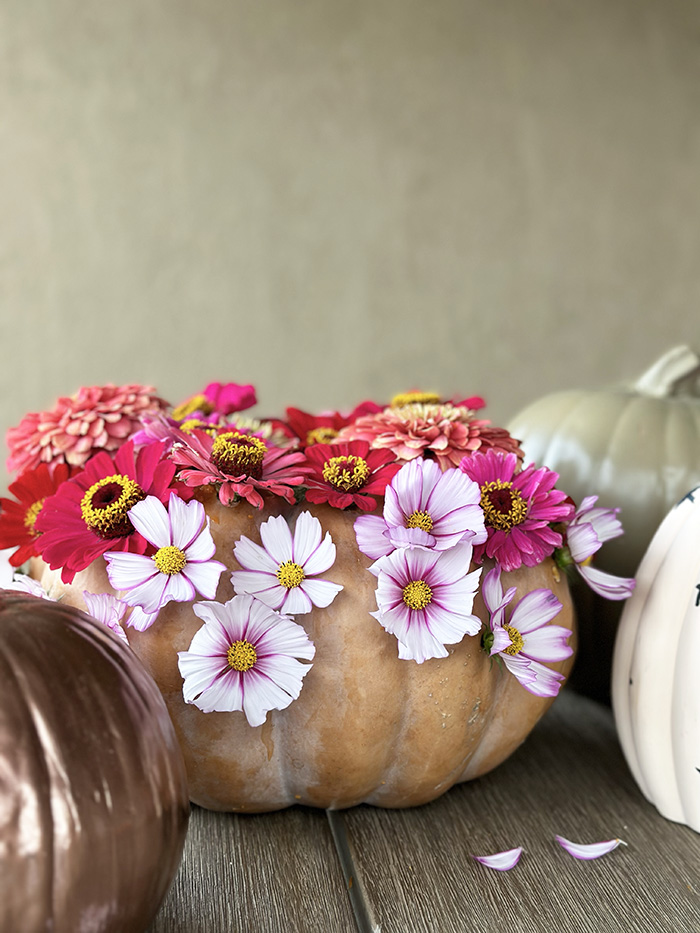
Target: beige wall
(341, 199)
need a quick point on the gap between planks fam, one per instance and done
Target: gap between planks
(364, 916)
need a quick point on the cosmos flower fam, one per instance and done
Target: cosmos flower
(95, 418)
(527, 640)
(586, 533)
(107, 609)
(244, 657)
(423, 507)
(182, 564)
(519, 508)
(348, 474)
(18, 516)
(88, 515)
(425, 598)
(283, 572)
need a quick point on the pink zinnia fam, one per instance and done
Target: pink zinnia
(518, 509)
(89, 513)
(240, 464)
(95, 418)
(444, 431)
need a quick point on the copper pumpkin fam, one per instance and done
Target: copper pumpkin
(93, 793)
(367, 727)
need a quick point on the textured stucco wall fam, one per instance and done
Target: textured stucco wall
(341, 199)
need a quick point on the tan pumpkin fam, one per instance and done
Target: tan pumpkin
(367, 727)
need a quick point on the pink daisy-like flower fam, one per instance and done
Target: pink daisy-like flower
(586, 533)
(423, 507)
(441, 430)
(425, 598)
(107, 609)
(95, 418)
(88, 515)
(283, 573)
(240, 464)
(527, 640)
(244, 657)
(18, 518)
(217, 400)
(182, 564)
(518, 509)
(348, 474)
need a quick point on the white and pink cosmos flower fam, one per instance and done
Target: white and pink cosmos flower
(424, 507)
(245, 657)
(425, 599)
(586, 533)
(526, 642)
(283, 572)
(107, 609)
(182, 565)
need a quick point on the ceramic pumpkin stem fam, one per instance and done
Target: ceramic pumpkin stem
(675, 373)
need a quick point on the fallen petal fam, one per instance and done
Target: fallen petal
(501, 861)
(594, 850)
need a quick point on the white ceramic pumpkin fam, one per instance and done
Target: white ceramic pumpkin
(655, 682)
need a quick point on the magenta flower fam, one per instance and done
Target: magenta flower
(423, 507)
(526, 640)
(283, 573)
(182, 564)
(587, 531)
(518, 509)
(425, 598)
(244, 657)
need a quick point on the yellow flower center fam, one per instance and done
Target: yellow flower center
(290, 574)
(323, 435)
(241, 656)
(503, 505)
(196, 403)
(170, 559)
(31, 514)
(105, 505)
(414, 398)
(417, 594)
(189, 424)
(420, 520)
(239, 454)
(516, 641)
(346, 473)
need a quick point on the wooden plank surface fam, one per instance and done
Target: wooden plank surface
(410, 871)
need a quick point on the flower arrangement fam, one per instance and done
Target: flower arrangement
(441, 501)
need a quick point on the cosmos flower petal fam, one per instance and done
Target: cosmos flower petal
(606, 584)
(261, 694)
(178, 588)
(201, 549)
(187, 520)
(548, 643)
(582, 541)
(452, 564)
(141, 620)
(150, 594)
(150, 518)
(321, 592)
(253, 557)
(307, 538)
(284, 671)
(590, 851)
(264, 586)
(276, 539)
(421, 645)
(401, 537)
(370, 534)
(126, 570)
(205, 576)
(535, 609)
(535, 677)
(296, 601)
(501, 861)
(450, 627)
(322, 558)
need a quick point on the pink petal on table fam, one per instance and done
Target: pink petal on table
(594, 850)
(501, 861)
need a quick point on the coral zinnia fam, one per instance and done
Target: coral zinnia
(95, 418)
(240, 464)
(88, 514)
(518, 509)
(444, 431)
(348, 474)
(18, 518)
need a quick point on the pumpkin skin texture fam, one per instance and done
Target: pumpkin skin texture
(637, 448)
(93, 794)
(367, 727)
(655, 687)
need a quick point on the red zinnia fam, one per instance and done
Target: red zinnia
(18, 518)
(88, 514)
(324, 427)
(349, 474)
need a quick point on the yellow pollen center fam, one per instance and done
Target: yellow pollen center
(105, 505)
(417, 594)
(196, 403)
(516, 641)
(31, 514)
(238, 454)
(414, 398)
(503, 505)
(170, 559)
(323, 435)
(190, 424)
(241, 656)
(290, 574)
(421, 520)
(346, 473)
